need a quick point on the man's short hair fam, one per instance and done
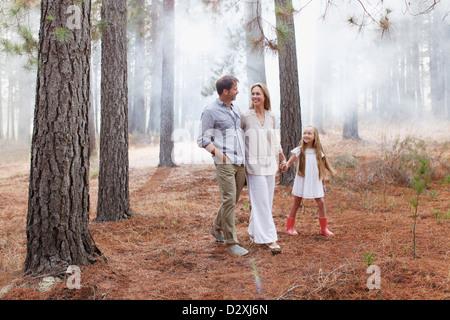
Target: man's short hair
(225, 82)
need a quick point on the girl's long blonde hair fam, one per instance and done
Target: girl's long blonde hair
(322, 162)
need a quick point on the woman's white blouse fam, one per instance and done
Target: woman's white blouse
(262, 143)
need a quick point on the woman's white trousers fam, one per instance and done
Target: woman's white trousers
(261, 227)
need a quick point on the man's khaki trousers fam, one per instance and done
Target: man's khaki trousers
(231, 179)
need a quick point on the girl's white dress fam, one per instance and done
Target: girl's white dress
(308, 187)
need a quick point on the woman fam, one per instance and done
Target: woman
(262, 153)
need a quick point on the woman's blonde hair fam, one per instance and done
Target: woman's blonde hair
(266, 95)
(322, 162)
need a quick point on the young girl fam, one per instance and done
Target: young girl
(309, 180)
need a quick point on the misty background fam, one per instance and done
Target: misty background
(396, 78)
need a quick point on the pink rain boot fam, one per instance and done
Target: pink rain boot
(323, 227)
(290, 226)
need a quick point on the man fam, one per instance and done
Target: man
(221, 135)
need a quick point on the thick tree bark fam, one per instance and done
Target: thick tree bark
(167, 96)
(290, 115)
(113, 191)
(58, 204)
(92, 132)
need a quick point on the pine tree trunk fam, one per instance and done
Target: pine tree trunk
(137, 125)
(322, 67)
(256, 68)
(290, 115)
(446, 67)
(350, 128)
(25, 110)
(351, 91)
(156, 65)
(113, 192)
(436, 70)
(92, 132)
(11, 131)
(58, 203)
(167, 96)
(96, 70)
(1, 107)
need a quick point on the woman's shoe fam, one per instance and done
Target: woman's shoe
(290, 226)
(274, 247)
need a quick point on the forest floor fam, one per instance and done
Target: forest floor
(164, 251)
